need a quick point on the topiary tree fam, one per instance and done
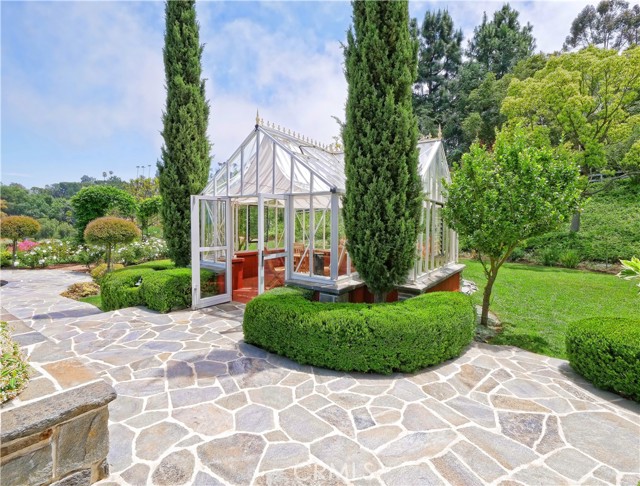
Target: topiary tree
(147, 210)
(17, 228)
(109, 232)
(497, 199)
(96, 201)
(383, 190)
(184, 168)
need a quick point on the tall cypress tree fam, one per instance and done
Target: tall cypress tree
(383, 190)
(184, 167)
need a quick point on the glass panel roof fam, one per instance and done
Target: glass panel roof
(263, 164)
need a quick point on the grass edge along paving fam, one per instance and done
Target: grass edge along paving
(536, 304)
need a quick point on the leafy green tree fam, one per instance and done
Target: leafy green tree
(497, 199)
(147, 210)
(17, 228)
(439, 59)
(589, 100)
(500, 43)
(109, 232)
(383, 190)
(142, 187)
(610, 25)
(184, 167)
(484, 102)
(96, 201)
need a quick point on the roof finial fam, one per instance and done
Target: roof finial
(439, 131)
(257, 117)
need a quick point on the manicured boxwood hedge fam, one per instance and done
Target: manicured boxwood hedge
(606, 351)
(383, 338)
(158, 285)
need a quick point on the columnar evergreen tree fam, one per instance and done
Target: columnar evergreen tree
(383, 191)
(184, 167)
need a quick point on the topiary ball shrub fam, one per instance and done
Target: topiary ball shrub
(606, 351)
(109, 232)
(18, 228)
(382, 338)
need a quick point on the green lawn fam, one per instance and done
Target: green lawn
(535, 304)
(93, 300)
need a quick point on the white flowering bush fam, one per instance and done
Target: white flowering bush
(45, 253)
(141, 251)
(52, 252)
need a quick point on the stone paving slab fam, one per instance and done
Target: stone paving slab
(197, 405)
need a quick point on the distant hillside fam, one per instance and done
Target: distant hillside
(610, 228)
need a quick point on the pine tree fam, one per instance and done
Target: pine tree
(383, 190)
(184, 167)
(501, 43)
(439, 59)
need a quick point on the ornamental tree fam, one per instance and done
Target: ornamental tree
(96, 201)
(497, 199)
(588, 99)
(383, 190)
(109, 232)
(184, 167)
(17, 228)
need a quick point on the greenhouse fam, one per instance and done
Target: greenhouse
(271, 216)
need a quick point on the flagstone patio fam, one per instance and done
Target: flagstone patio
(197, 405)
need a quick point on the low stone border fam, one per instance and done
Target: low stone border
(56, 430)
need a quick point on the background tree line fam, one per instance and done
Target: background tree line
(463, 89)
(52, 206)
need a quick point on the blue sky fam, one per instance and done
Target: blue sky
(82, 83)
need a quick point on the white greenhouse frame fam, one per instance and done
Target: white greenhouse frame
(296, 186)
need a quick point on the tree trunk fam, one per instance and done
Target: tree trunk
(379, 297)
(486, 298)
(15, 252)
(575, 222)
(108, 258)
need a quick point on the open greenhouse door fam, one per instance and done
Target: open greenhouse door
(211, 250)
(273, 241)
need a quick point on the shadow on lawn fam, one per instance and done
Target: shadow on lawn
(530, 342)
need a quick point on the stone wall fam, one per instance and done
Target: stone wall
(56, 430)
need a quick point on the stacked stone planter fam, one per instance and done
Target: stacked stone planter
(56, 430)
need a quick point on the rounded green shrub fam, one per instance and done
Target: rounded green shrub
(167, 289)
(403, 336)
(606, 351)
(158, 285)
(121, 288)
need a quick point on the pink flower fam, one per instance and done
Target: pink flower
(26, 245)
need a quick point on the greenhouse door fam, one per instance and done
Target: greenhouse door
(273, 241)
(211, 250)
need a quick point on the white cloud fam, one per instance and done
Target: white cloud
(290, 80)
(102, 73)
(551, 19)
